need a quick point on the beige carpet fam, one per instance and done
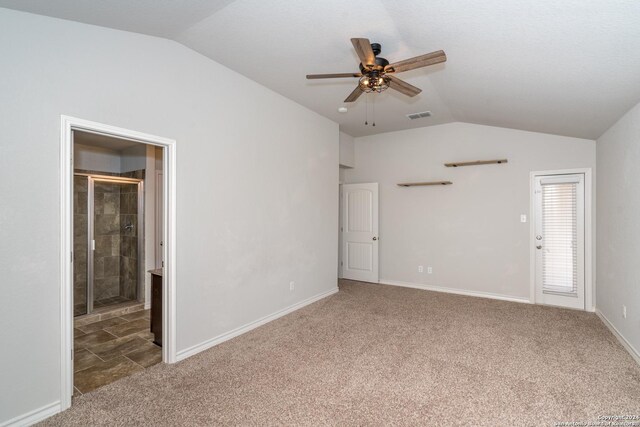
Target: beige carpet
(382, 355)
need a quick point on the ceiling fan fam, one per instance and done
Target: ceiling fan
(376, 73)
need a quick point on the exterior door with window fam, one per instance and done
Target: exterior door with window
(559, 239)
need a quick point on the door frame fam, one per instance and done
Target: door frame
(589, 225)
(159, 243)
(67, 126)
(340, 230)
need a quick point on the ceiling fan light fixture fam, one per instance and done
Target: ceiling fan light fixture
(374, 82)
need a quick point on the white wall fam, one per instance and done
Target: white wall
(256, 191)
(469, 232)
(134, 158)
(618, 226)
(158, 155)
(93, 158)
(347, 154)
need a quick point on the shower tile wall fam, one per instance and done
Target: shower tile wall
(108, 240)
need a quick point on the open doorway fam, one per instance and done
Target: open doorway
(118, 313)
(112, 204)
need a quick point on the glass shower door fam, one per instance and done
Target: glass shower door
(114, 218)
(107, 241)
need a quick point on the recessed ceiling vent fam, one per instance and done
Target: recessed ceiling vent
(420, 115)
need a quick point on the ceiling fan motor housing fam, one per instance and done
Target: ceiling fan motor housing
(380, 64)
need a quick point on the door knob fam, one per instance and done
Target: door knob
(538, 237)
(375, 238)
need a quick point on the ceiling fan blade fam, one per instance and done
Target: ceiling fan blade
(364, 51)
(332, 76)
(403, 87)
(354, 95)
(417, 62)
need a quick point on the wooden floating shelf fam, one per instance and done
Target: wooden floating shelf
(476, 163)
(418, 184)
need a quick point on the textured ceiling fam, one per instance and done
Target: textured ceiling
(162, 18)
(569, 68)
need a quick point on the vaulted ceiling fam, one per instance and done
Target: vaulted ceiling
(568, 67)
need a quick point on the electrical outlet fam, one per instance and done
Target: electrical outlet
(292, 286)
(420, 269)
(429, 270)
(624, 311)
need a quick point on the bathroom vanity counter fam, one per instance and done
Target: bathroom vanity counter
(156, 305)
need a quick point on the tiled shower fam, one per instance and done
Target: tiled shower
(107, 239)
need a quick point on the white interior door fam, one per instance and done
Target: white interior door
(560, 240)
(360, 232)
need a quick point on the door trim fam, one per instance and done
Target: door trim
(67, 126)
(159, 243)
(589, 243)
(340, 238)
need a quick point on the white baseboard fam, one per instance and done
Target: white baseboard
(46, 411)
(626, 344)
(34, 416)
(454, 291)
(188, 352)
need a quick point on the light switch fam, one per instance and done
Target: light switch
(523, 218)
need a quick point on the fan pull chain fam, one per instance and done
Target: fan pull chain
(373, 106)
(366, 108)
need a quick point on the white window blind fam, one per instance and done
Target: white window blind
(560, 238)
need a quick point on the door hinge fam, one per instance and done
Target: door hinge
(341, 263)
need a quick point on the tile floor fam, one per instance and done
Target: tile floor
(81, 308)
(110, 349)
